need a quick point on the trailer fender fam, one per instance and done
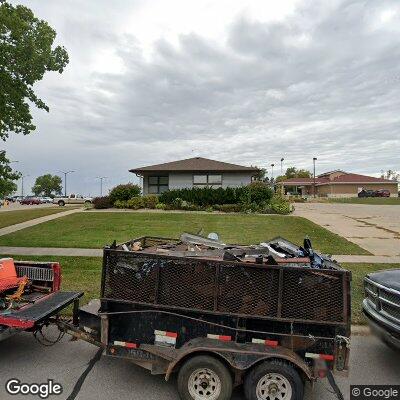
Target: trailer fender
(242, 360)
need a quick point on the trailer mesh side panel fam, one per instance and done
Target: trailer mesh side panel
(250, 291)
(132, 279)
(312, 295)
(303, 293)
(187, 284)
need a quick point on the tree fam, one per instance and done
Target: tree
(47, 185)
(293, 172)
(260, 174)
(26, 53)
(391, 175)
(7, 176)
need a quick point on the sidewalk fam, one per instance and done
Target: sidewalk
(27, 224)
(76, 252)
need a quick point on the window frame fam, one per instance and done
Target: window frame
(157, 185)
(207, 183)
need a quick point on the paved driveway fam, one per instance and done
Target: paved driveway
(22, 357)
(375, 228)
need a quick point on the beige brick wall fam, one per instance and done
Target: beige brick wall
(351, 190)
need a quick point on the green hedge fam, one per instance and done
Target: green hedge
(256, 192)
(124, 192)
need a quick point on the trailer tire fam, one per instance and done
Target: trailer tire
(207, 371)
(61, 203)
(273, 375)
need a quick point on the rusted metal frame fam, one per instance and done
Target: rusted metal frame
(305, 321)
(280, 293)
(75, 313)
(105, 329)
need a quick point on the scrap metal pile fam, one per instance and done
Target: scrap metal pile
(272, 252)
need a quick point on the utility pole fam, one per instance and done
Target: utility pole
(101, 184)
(65, 180)
(282, 159)
(314, 159)
(22, 184)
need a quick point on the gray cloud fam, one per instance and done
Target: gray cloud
(324, 81)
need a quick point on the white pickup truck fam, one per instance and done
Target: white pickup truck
(72, 199)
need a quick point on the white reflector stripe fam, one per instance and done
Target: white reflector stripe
(327, 357)
(125, 344)
(224, 338)
(165, 333)
(165, 339)
(266, 342)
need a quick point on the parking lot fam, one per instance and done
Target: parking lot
(371, 363)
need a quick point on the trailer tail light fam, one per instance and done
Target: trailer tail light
(326, 357)
(267, 342)
(223, 338)
(165, 338)
(128, 345)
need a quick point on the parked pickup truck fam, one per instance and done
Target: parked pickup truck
(381, 305)
(72, 199)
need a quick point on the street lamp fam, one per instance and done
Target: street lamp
(272, 173)
(101, 183)
(314, 159)
(65, 180)
(282, 159)
(22, 184)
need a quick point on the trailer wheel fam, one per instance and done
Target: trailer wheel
(204, 378)
(61, 203)
(273, 380)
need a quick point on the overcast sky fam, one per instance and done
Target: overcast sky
(247, 82)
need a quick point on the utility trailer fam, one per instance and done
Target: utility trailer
(30, 295)
(270, 317)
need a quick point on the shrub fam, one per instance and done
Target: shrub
(120, 204)
(228, 207)
(259, 192)
(280, 205)
(135, 203)
(150, 201)
(160, 206)
(102, 202)
(124, 192)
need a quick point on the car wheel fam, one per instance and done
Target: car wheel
(204, 378)
(61, 203)
(273, 379)
(87, 202)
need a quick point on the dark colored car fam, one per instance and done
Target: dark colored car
(30, 200)
(382, 193)
(366, 193)
(381, 305)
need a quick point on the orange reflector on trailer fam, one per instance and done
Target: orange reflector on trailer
(326, 357)
(128, 345)
(266, 342)
(223, 338)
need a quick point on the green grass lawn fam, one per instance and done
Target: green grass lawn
(94, 230)
(388, 201)
(84, 274)
(8, 218)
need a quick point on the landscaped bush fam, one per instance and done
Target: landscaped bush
(228, 207)
(124, 192)
(121, 204)
(257, 192)
(280, 205)
(135, 203)
(150, 201)
(102, 202)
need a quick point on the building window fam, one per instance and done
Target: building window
(158, 184)
(207, 180)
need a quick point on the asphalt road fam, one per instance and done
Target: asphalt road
(116, 379)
